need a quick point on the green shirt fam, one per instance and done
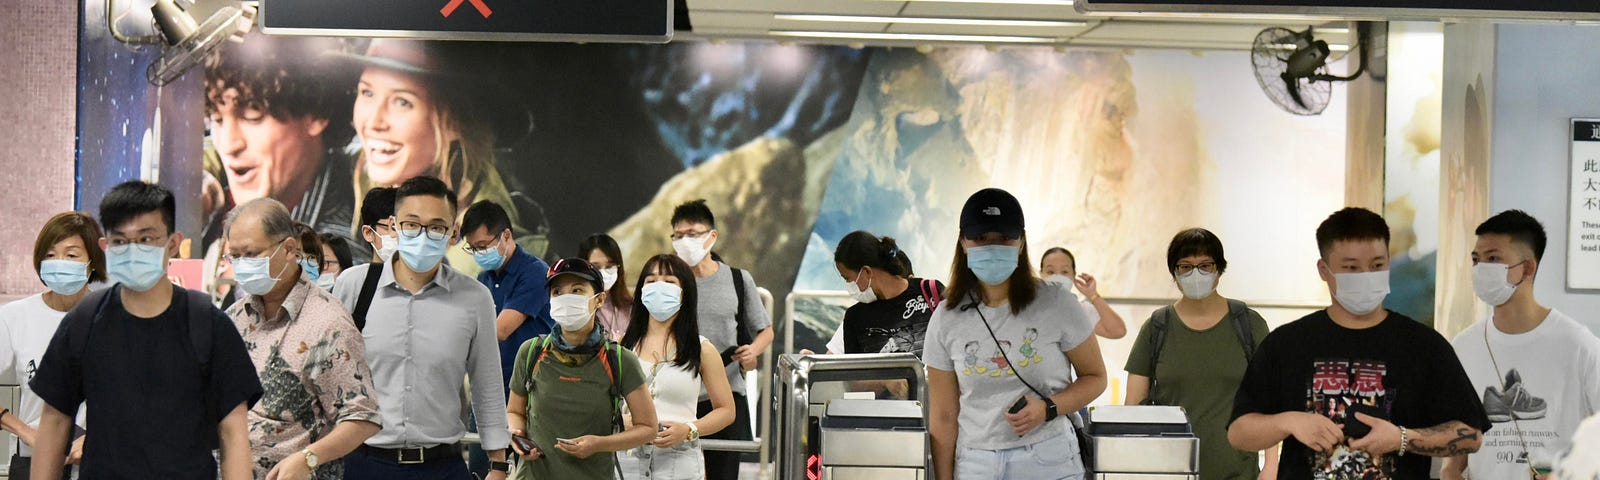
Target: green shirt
(571, 398)
(1200, 371)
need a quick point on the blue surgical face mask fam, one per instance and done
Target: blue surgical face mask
(490, 258)
(136, 265)
(993, 264)
(662, 299)
(65, 277)
(312, 272)
(254, 274)
(422, 253)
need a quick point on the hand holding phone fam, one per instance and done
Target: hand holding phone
(1353, 427)
(524, 444)
(566, 441)
(1022, 402)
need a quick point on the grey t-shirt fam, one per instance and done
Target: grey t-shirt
(1033, 340)
(719, 305)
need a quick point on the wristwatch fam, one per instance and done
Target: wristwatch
(502, 467)
(1049, 409)
(694, 431)
(311, 459)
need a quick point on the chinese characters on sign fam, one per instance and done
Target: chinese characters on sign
(1583, 209)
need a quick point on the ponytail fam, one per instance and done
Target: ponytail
(862, 249)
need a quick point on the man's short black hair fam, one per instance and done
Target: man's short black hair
(694, 212)
(1195, 242)
(135, 198)
(1351, 224)
(485, 214)
(1521, 227)
(424, 185)
(377, 205)
(285, 77)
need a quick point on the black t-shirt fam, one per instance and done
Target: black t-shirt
(144, 390)
(1399, 366)
(890, 325)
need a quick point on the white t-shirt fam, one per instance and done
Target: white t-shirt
(1034, 340)
(1558, 364)
(26, 327)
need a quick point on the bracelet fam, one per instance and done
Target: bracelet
(694, 431)
(1095, 297)
(1403, 441)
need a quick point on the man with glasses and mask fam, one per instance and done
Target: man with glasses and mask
(1355, 390)
(377, 217)
(694, 233)
(167, 373)
(428, 326)
(1538, 369)
(516, 280)
(320, 406)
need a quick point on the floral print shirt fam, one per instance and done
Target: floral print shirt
(312, 364)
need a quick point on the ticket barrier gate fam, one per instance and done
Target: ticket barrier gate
(1141, 442)
(826, 432)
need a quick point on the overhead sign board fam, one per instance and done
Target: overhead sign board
(646, 21)
(1363, 9)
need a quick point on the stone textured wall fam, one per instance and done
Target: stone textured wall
(38, 68)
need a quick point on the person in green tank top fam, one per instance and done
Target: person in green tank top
(565, 388)
(1201, 359)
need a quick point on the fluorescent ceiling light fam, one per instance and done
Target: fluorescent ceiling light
(925, 20)
(913, 37)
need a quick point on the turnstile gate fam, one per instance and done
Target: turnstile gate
(826, 431)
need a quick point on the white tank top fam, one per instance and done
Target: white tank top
(675, 389)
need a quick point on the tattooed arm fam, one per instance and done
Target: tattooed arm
(1444, 440)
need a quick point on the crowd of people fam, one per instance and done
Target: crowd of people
(312, 366)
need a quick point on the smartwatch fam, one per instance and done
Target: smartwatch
(1049, 409)
(502, 467)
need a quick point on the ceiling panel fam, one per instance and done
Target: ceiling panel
(1057, 32)
(988, 10)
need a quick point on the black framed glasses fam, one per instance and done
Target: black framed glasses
(1184, 268)
(411, 229)
(689, 234)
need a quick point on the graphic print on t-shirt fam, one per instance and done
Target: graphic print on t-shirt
(995, 363)
(1336, 384)
(906, 337)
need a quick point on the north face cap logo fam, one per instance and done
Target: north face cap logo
(991, 211)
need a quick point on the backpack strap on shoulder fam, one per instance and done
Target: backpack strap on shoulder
(1238, 315)
(930, 291)
(1160, 321)
(368, 289)
(535, 358)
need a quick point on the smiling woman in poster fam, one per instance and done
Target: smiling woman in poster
(425, 108)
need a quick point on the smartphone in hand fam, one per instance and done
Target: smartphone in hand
(524, 443)
(1022, 402)
(1354, 427)
(566, 441)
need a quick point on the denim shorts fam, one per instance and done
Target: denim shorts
(649, 462)
(1055, 458)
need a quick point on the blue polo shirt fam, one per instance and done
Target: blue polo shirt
(519, 285)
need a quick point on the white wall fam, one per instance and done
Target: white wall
(1545, 75)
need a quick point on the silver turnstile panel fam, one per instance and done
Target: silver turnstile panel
(1146, 454)
(869, 473)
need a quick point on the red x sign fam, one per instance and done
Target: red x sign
(477, 4)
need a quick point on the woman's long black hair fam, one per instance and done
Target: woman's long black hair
(686, 329)
(618, 296)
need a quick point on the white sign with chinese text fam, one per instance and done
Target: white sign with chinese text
(1583, 210)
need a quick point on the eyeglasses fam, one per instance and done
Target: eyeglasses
(151, 240)
(1184, 268)
(234, 257)
(472, 250)
(379, 228)
(689, 234)
(411, 229)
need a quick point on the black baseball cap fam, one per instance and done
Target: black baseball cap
(576, 267)
(991, 210)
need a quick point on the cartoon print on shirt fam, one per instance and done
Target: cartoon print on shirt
(1336, 385)
(1029, 354)
(1002, 366)
(972, 360)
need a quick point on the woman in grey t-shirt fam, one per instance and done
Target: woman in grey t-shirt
(998, 352)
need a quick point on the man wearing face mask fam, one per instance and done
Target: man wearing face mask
(1192, 354)
(694, 233)
(167, 373)
(1355, 390)
(428, 326)
(1538, 369)
(515, 279)
(321, 405)
(377, 210)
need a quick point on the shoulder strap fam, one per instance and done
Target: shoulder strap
(368, 288)
(930, 291)
(200, 315)
(1238, 315)
(1160, 321)
(78, 330)
(534, 359)
(741, 329)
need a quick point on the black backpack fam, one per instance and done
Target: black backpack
(195, 307)
(368, 288)
(1161, 320)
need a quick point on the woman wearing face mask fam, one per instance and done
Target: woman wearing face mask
(336, 257)
(414, 118)
(310, 258)
(892, 307)
(998, 350)
(565, 412)
(678, 364)
(1190, 354)
(1060, 268)
(67, 256)
(603, 252)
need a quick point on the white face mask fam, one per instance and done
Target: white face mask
(1197, 284)
(571, 311)
(1059, 280)
(326, 281)
(608, 276)
(387, 245)
(691, 250)
(1361, 293)
(1489, 282)
(859, 294)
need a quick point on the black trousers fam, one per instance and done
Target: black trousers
(725, 465)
